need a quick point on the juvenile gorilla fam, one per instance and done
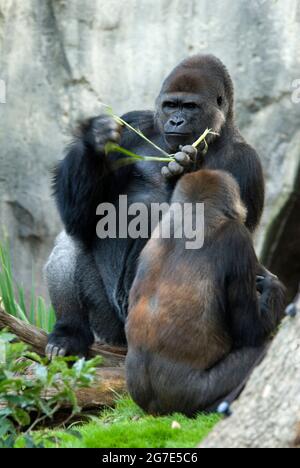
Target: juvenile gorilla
(195, 327)
(90, 278)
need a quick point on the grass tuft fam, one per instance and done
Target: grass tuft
(12, 297)
(126, 426)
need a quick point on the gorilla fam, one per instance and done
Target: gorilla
(89, 278)
(195, 328)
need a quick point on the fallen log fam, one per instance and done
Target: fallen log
(110, 379)
(109, 384)
(37, 339)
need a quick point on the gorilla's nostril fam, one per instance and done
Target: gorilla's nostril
(177, 123)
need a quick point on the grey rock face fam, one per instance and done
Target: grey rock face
(61, 59)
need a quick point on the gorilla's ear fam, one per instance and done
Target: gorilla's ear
(241, 210)
(237, 212)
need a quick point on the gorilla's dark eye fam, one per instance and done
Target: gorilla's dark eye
(190, 105)
(170, 104)
(220, 101)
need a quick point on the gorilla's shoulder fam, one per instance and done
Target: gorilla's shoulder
(140, 119)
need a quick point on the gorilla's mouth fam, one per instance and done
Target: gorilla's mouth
(178, 134)
(175, 139)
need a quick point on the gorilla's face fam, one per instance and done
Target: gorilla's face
(194, 97)
(183, 117)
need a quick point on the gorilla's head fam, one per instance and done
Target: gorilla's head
(198, 94)
(218, 190)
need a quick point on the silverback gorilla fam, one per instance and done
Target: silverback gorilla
(194, 326)
(90, 278)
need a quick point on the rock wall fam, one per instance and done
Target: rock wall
(61, 59)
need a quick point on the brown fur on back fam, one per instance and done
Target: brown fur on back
(175, 307)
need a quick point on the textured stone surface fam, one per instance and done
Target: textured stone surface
(60, 59)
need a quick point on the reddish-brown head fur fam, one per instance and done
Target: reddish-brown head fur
(201, 74)
(217, 189)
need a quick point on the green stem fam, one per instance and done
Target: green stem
(122, 122)
(132, 157)
(202, 138)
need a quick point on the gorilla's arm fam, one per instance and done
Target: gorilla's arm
(246, 167)
(85, 177)
(82, 179)
(272, 297)
(250, 320)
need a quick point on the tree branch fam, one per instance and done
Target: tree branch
(110, 379)
(37, 339)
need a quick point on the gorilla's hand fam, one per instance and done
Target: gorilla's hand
(184, 161)
(69, 340)
(272, 298)
(265, 281)
(101, 130)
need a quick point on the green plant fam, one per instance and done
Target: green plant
(12, 296)
(26, 402)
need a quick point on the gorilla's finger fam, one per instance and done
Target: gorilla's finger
(113, 125)
(113, 137)
(183, 159)
(260, 284)
(48, 351)
(62, 352)
(55, 351)
(175, 168)
(166, 173)
(291, 310)
(190, 151)
(260, 278)
(104, 119)
(105, 124)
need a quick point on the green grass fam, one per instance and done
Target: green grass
(127, 426)
(12, 296)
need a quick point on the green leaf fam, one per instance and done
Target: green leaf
(6, 427)
(41, 373)
(22, 417)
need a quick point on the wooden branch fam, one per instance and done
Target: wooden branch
(109, 384)
(37, 339)
(110, 379)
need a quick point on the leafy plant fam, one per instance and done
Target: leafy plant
(26, 402)
(12, 296)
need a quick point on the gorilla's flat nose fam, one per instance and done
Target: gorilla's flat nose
(176, 122)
